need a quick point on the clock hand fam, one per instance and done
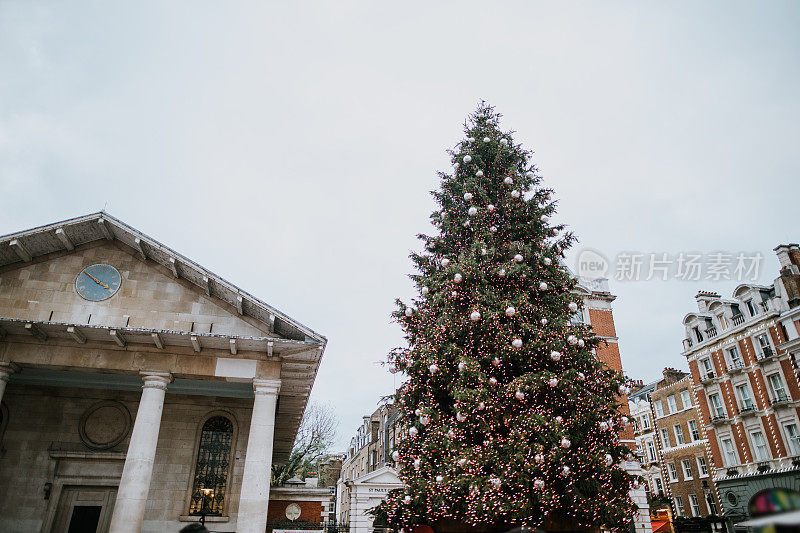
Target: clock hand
(96, 280)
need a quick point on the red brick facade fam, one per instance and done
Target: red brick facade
(752, 343)
(310, 511)
(602, 322)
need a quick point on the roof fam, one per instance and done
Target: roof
(299, 347)
(27, 245)
(643, 391)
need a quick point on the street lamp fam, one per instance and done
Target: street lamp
(208, 494)
(709, 498)
(712, 508)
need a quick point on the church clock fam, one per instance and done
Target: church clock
(98, 282)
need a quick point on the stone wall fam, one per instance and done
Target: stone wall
(44, 422)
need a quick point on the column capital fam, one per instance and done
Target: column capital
(266, 386)
(6, 369)
(154, 379)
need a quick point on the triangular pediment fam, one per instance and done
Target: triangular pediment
(382, 476)
(148, 297)
(37, 244)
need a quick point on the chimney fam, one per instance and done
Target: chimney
(672, 375)
(789, 259)
(704, 298)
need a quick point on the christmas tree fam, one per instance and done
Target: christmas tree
(511, 420)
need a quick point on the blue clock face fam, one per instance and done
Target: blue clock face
(98, 282)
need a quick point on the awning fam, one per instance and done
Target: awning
(659, 526)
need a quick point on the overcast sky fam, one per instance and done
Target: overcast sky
(290, 147)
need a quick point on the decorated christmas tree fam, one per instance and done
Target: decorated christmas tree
(511, 420)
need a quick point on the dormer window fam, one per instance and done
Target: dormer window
(697, 334)
(736, 317)
(723, 323)
(751, 310)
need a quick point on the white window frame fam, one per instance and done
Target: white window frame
(686, 399)
(679, 438)
(792, 437)
(777, 393)
(729, 452)
(645, 422)
(672, 405)
(702, 466)
(764, 349)
(694, 429)
(694, 504)
(708, 367)
(651, 451)
(717, 408)
(686, 465)
(679, 510)
(659, 407)
(736, 362)
(745, 400)
(760, 446)
(672, 472)
(659, 484)
(665, 437)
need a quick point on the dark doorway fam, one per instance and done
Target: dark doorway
(85, 519)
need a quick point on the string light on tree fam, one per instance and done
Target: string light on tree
(525, 407)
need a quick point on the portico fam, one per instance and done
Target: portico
(116, 411)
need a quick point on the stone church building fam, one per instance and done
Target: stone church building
(138, 389)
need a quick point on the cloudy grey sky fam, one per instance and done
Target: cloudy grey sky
(290, 146)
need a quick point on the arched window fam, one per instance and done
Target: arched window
(212, 467)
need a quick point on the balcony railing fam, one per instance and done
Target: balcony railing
(707, 377)
(767, 352)
(780, 399)
(719, 418)
(711, 332)
(737, 320)
(749, 410)
(764, 306)
(736, 366)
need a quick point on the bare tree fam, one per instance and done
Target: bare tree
(314, 438)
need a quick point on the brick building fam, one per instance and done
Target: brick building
(742, 354)
(598, 312)
(368, 472)
(300, 504)
(647, 446)
(683, 449)
(137, 388)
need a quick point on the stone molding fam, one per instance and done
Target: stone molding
(6, 369)
(122, 420)
(155, 379)
(266, 386)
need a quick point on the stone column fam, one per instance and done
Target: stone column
(138, 470)
(6, 369)
(254, 499)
